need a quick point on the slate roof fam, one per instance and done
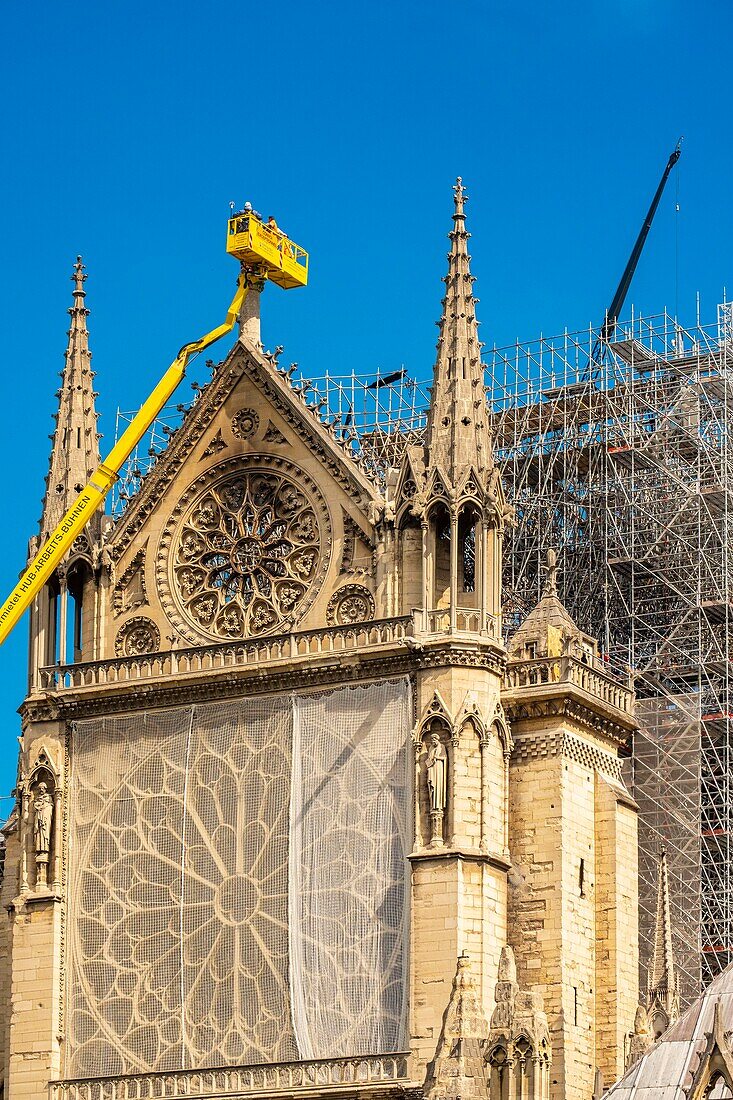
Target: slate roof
(665, 1072)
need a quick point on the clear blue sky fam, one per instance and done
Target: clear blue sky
(128, 127)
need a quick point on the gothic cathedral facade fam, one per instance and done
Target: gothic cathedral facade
(292, 817)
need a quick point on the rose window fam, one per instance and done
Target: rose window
(247, 559)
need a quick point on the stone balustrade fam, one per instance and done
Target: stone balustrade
(227, 655)
(599, 682)
(468, 621)
(287, 1077)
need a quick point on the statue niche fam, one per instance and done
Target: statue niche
(436, 782)
(43, 811)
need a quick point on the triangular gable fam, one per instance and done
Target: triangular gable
(197, 434)
(470, 486)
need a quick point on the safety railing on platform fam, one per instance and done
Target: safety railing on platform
(223, 655)
(293, 1077)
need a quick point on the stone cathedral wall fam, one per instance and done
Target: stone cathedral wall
(217, 850)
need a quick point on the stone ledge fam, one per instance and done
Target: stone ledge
(466, 855)
(379, 1077)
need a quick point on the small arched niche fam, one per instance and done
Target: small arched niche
(433, 780)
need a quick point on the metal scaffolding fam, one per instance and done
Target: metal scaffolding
(620, 460)
(622, 463)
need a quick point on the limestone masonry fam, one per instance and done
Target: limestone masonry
(291, 817)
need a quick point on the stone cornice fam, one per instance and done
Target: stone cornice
(565, 700)
(464, 855)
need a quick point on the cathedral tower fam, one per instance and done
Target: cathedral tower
(449, 490)
(573, 908)
(290, 819)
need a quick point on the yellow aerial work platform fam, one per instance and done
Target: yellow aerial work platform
(253, 242)
(264, 253)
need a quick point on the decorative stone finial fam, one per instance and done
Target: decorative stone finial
(75, 451)
(459, 196)
(78, 277)
(458, 1071)
(550, 586)
(458, 436)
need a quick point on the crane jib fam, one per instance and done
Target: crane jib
(613, 311)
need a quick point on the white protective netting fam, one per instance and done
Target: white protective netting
(348, 883)
(238, 883)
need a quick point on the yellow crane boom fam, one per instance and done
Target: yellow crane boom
(263, 253)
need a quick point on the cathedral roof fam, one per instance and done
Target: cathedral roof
(75, 442)
(672, 1066)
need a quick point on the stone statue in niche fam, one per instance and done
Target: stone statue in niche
(436, 769)
(42, 822)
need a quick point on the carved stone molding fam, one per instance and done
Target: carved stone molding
(131, 697)
(215, 445)
(353, 534)
(352, 603)
(245, 550)
(272, 435)
(339, 464)
(130, 592)
(564, 706)
(137, 636)
(245, 423)
(240, 362)
(535, 746)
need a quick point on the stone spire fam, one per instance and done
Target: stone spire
(662, 994)
(458, 435)
(458, 1071)
(75, 449)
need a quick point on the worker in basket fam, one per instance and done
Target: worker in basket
(283, 242)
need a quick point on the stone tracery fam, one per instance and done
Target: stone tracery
(247, 557)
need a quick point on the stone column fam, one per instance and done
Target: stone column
(57, 839)
(483, 746)
(63, 597)
(453, 569)
(425, 573)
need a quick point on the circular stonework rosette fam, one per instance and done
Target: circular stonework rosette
(353, 603)
(137, 637)
(245, 552)
(245, 423)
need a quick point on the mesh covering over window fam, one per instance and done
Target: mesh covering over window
(238, 885)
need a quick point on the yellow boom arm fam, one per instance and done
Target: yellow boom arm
(104, 477)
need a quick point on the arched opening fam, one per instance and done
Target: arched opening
(440, 527)
(718, 1089)
(50, 619)
(77, 581)
(469, 556)
(410, 571)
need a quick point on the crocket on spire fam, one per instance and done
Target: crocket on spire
(75, 443)
(458, 434)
